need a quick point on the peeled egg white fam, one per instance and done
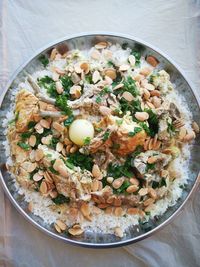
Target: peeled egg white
(79, 130)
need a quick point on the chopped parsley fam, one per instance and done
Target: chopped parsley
(53, 142)
(81, 160)
(105, 90)
(153, 122)
(150, 166)
(98, 100)
(87, 141)
(116, 146)
(49, 84)
(124, 46)
(137, 56)
(163, 182)
(61, 103)
(44, 60)
(119, 122)
(31, 124)
(69, 120)
(110, 63)
(106, 135)
(122, 188)
(26, 135)
(129, 85)
(66, 84)
(24, 145)
(171, 129)
(136, 130)
(132, 106)
(60, 199)
(116, 171)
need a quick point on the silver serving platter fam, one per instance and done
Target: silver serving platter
(91, 239)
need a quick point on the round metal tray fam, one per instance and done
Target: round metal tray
(91, 239)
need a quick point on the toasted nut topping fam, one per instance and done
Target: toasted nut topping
(37, 177)
(43, 187)
(57, 228)
(95, 54)
(85, 210)
(118, 182)
(75, 231)
(149, 208)
(142, 116)
(57, 126)
(189, 136)
(29, 166)
(96, 76)
(110, 199)
(53, 194)
(61, 225)
(105, 111)
(110, 180)
(131, 59)
(149, 201)
(133, 211)
(59, 146)
(164, 173)
(30, 206)
(143, 191)
(85, 67)
(109, 210)
(118, 232)
(54, 52)
(195, 127)
(39, 154)
(45, 124)
(149, 86)
(146, 94)
(39, 129)
(118, 211)
(132, 189)
(96, 171)
(152, 61)
(95, 185)
(32, 140)
(73, 149)
(111, 73)
(120, 85)
(152, 160)
(128, 96)
(46, 140)
(103, 205)
(117, 202)
(150, 105)
(145, 71)
(124, 67)
(75, 91)
(155, 93)
(55, 76)
(134, 181)
(156, 101)
(101, 45)
(59, 87)
(152, 193)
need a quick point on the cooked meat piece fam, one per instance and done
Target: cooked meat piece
(26, 107)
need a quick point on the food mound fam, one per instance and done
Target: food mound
(99, 139)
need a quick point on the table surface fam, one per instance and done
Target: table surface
(174, 27)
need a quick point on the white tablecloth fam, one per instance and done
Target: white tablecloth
(174, 27)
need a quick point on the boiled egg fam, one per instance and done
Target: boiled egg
(79, 130)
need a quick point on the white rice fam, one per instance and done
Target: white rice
(104, 222)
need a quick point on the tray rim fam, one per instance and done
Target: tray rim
(65, 239)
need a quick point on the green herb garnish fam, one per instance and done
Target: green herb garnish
(44, 60)
(81, 160)
(137, 56)
(98, 100)
(24, 145)
(136, 130)
(31, 124)
(61, 103)
(129, 85)
(87, 141)
(69, 120)
(60, 199)
(106, 135)
(67, 84)
(150, 166)
(49, 84)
